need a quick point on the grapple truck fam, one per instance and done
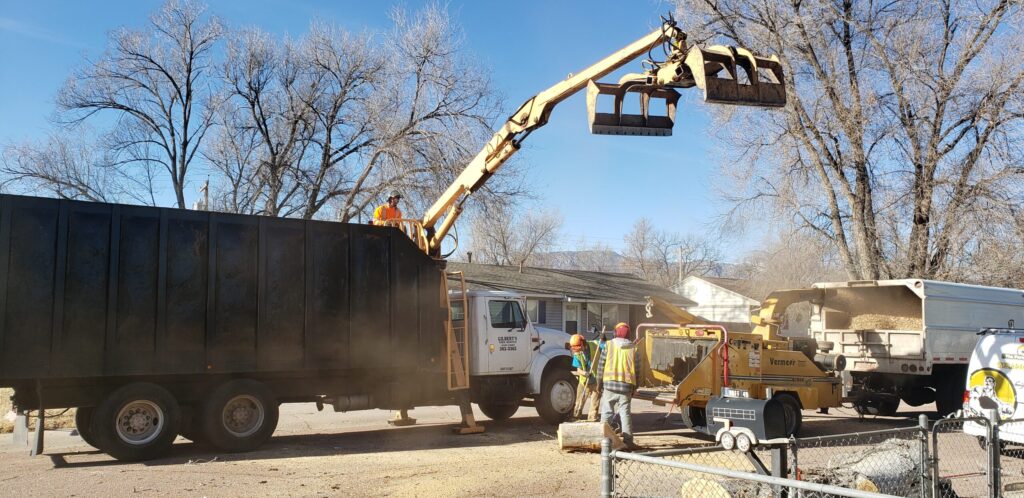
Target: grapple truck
(705, 363)
(159, 322)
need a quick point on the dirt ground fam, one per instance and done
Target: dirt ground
(359, 454)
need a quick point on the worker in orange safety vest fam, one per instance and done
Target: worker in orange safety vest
(388, 211)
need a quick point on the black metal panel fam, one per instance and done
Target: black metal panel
(371, 291)
(79, 340)
(132, 347)
(327, 296)
(185, 291)
(282, 294)
(94, 290)
(406, 337)
(31, 271)
(231, 342)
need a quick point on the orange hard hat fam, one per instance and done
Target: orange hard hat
(576, 341)
(621, 330)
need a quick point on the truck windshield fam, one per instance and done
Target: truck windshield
(506, 315)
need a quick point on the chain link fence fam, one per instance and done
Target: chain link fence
(893, 462)
(960, 458)
(951, 458)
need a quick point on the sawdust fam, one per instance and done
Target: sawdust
(872, 321)
(55, 419)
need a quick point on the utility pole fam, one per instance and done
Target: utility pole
(680, 278)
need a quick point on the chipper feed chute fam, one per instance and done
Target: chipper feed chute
(618, 123)
(715, 70)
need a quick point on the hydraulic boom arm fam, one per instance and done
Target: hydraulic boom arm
(763, 86)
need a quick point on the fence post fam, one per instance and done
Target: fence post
(926, 463)
(607, 469)
(993, 454)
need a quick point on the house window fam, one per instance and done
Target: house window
(537, 310)
(605, 315)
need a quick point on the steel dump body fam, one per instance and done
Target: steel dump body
(92, 291)
(907, 326)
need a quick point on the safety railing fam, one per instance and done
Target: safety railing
(412, 229)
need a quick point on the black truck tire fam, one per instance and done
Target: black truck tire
(794, 417)
(557, 395)
(238, 416)
(136, 422)
(495, 411)
(83, 415)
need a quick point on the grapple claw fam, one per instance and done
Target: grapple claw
(760, 83)
(618, 123)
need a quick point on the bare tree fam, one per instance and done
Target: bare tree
(267, 117)
(66, 165)
(156, 82)
(664, 258)
(788, 259)
(503, 236)
(903, 121)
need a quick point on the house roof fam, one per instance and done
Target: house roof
(578, 285)
(734, 285)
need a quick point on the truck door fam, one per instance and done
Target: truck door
(508, 339)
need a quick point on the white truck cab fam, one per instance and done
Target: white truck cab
(995, 381)
(510, 359)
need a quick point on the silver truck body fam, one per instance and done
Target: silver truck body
(917, 323)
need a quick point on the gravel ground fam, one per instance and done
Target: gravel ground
(358, 454)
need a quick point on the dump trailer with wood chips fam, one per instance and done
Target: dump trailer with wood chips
(907, 340)
(207, 321)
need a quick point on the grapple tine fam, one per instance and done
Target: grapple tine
(730, 75)
(619, 123)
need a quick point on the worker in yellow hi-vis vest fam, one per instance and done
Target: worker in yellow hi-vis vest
(618, 374)
(388, 211)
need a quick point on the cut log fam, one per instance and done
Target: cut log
(707, 487)
(890, 467)
(586, 436)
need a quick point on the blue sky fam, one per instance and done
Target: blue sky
(600, 184)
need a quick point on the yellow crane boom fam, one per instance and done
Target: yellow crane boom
(716, 70)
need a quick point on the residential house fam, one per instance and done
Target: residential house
(720, 300)
(729, 302)
(572, 300)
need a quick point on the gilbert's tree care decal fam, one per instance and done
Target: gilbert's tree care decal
(990, 389)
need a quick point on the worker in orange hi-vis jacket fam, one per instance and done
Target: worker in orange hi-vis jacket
(388, 211)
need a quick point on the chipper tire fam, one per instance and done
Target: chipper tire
(557, 396)
(239, 416)
(794, 417)
(136, 422)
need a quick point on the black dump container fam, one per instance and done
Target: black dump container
(93, 295)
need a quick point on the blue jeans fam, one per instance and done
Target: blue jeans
(612, 402)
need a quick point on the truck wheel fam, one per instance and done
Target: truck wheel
(240, 415)
(791, 407)
(557, 396)
(498, 412)
(136, 422)
(83, 415)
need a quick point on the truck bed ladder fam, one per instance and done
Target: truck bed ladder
(457, 344)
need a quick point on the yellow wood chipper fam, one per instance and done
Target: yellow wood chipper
(700, 368)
